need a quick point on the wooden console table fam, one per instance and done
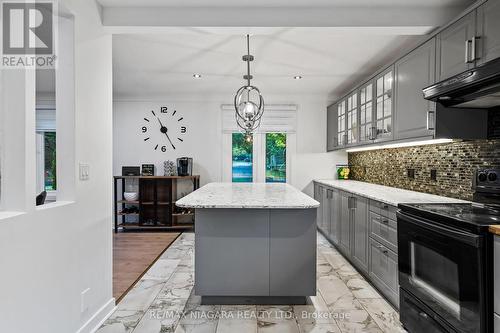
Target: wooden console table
(155, 205)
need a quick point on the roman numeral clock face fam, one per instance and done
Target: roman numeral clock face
(164, 130)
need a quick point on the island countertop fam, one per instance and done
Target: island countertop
(248, 195)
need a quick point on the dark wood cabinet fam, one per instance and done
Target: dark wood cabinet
(155, 206)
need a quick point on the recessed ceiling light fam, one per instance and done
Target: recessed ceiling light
(297, 77)
(197, 76)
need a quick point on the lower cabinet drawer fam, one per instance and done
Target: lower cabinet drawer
(384, 230)
(496, 323)
(384, 270)
(383, 209)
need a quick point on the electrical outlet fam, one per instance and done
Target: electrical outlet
(411, 173)
(84, 171)
(434, 174)
(84, 306)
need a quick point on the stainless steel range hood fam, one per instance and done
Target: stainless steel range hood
(478, 88)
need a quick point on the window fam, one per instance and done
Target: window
(48, 153)
(242, 158)
(275, 157)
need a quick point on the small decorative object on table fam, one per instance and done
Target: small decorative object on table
(131, 171)
(148, 169)
(343, 172)
(169, 168)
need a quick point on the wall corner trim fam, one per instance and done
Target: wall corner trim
(95, 322)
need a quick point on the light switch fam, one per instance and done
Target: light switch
(84, 171)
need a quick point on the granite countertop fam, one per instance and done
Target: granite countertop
(247, 195)
(389, 195)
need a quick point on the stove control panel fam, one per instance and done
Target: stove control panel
(487, 178)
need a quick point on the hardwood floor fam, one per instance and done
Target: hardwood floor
(133, 255)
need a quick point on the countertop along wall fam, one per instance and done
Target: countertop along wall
(203, 140)
(454, 162)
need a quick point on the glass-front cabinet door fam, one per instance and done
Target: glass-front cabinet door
(341, 121)
(352, 119)
(384, 85)
(366, 127)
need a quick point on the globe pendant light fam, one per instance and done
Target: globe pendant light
(248, 102)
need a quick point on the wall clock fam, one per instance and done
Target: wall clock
(164, 129)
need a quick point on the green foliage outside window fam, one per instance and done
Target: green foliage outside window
(276, 158)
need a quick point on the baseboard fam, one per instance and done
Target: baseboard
(93, 324)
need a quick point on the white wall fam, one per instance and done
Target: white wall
(203, 140)
(49, 255)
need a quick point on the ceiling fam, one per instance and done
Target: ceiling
(164, 64)
(154, 60)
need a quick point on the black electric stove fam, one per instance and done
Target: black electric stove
(445, 261)
(475, 217)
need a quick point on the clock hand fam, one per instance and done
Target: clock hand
(159, 121)
(169, 140)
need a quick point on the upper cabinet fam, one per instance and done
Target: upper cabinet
(384, 87)
(341, 123)
(366, 126)
(415, 115)
(488, 31)
(391, 106)
(331, 128)
(352, 119)
(455, 45)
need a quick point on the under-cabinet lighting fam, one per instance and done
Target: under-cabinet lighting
(400, 145)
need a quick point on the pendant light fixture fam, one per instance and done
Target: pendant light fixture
(248, 102)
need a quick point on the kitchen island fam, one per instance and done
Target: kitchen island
(255, 243)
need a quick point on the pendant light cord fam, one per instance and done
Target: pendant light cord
(248, 59)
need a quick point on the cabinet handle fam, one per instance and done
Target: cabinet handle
(423, 315)
(473, 51)
(429, 122)
(467, 55)
(372, 135)
(385, 221)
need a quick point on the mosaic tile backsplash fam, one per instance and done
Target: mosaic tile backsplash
(454, 164)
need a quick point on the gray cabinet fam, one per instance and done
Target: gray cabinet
(384, 270)
(352, 132)
(366, 107)
(414, 116)
(488, 31)
(318, 195)
(455, 45)
(365, 232)
(345, 223)
(331, 127)
(326, 199)
(384, 87)
(360, 227)
(335, 207)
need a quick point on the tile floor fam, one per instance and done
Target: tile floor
(162, 301)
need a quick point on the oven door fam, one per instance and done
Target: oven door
(443, 268)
